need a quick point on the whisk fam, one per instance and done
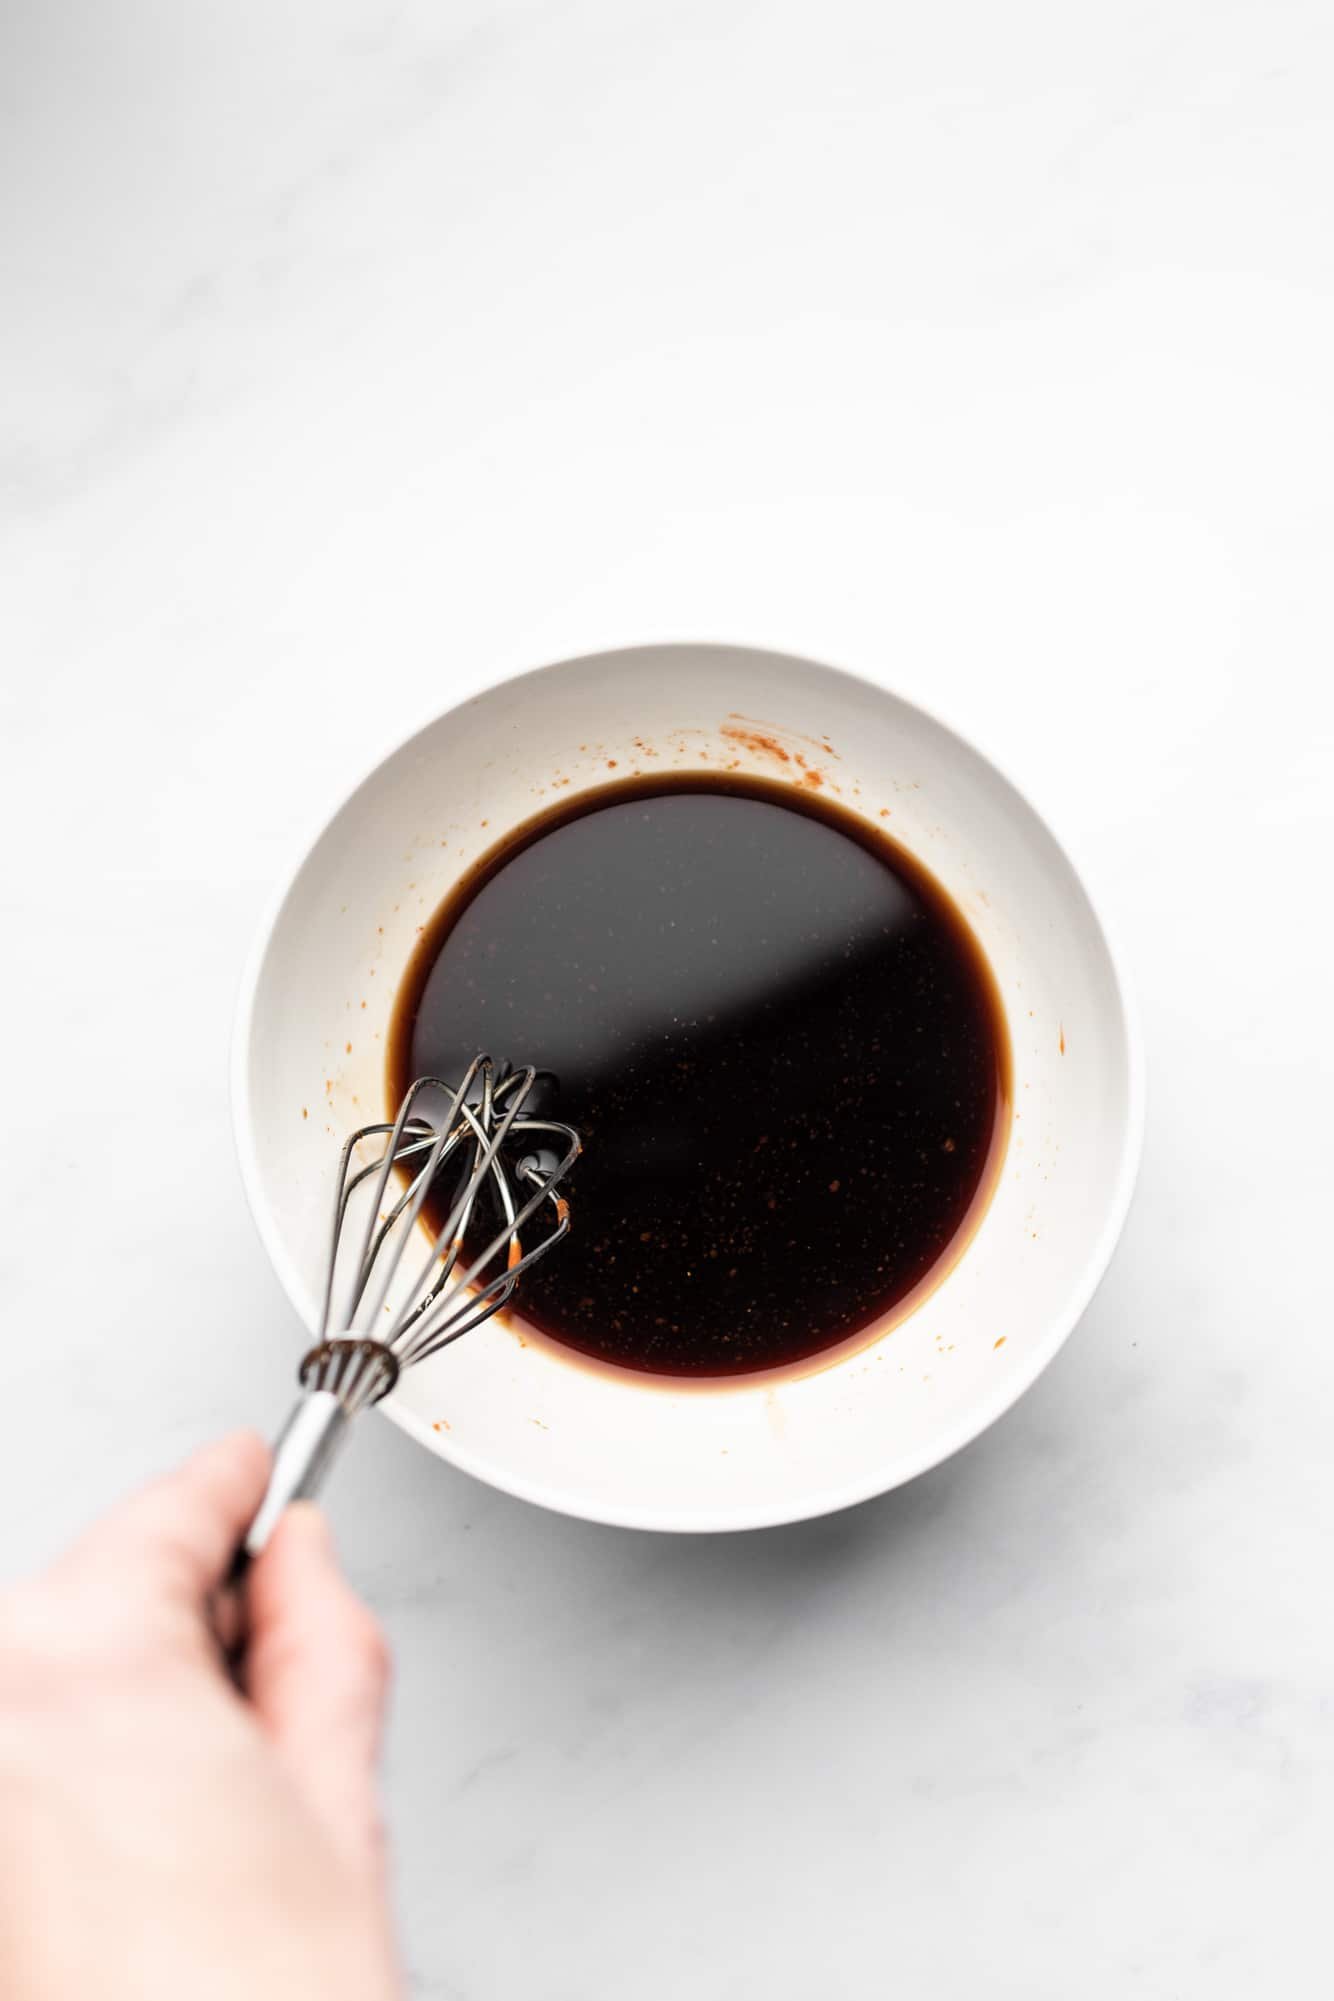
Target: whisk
(478, 1147)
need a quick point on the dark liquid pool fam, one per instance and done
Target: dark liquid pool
(779, 1041)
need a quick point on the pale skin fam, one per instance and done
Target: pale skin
(162, 1832)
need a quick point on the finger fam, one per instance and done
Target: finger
(317, 1673)
(176, 1537)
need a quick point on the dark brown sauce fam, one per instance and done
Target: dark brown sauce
(781, 1045)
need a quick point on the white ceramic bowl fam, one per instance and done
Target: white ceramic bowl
(615, 1449)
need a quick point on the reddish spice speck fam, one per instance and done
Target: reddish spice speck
(442, 1424)
(756, 740)
(770, 738)
(1063, 1041)
(347, 1049)
(304, 1112)
(611, 764)
(833, 1188)
(766, 744)
(1000, 1343)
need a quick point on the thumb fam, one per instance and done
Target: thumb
(317, 1673)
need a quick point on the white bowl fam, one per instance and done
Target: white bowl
(614, 1448)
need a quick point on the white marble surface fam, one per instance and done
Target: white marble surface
(352, 349)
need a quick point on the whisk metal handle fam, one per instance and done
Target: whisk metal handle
(305, 1450)
(302, 1455)
(340, 1377)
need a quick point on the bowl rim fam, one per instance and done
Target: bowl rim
(837, 1497)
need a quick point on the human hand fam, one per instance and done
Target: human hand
(163, 1835)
